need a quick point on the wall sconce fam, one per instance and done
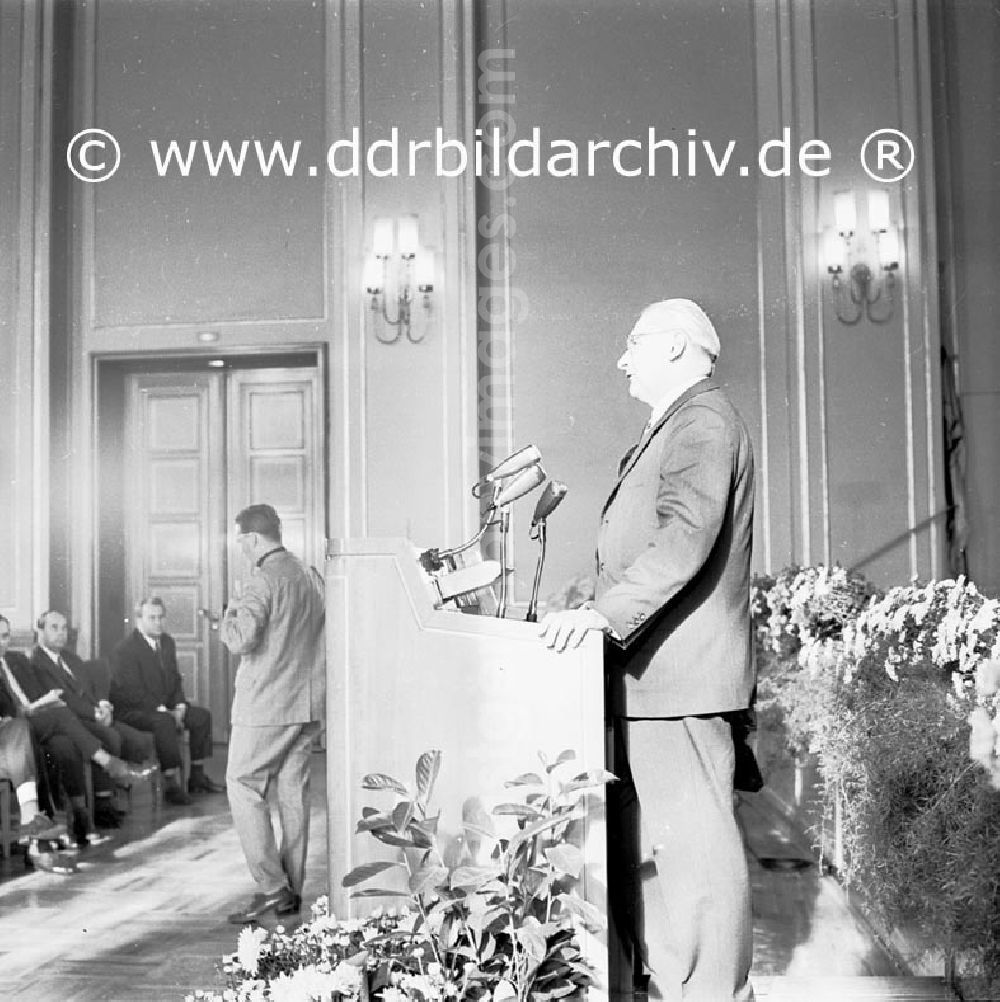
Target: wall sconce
(396, 267)
(865, 287)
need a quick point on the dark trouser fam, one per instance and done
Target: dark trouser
(67, 745)
(197, 722)
(61, 720)
(677, 868)
(17, 757)
(62, 755)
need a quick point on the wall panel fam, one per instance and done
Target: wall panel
(192, 249)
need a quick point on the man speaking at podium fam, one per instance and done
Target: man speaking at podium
(672, 597)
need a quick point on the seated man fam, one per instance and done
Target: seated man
(148, 693)
(59, 733)
(17, 763)
(59, 668)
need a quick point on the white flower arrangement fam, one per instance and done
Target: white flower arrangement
(946, 627)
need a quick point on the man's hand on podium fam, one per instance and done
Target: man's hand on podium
(564, 630)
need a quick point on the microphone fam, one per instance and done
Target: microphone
(520, 460)
(526, 481)
(515, 463)
(550, 499)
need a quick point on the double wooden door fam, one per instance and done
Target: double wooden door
(200, 446)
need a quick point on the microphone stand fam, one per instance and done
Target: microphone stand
(504, 530)
(532, 615)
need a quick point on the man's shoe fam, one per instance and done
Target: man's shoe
(39, 827)
(260, 904)
(125, 773)
(52, 862)
(290, 907)
(204, 784)
(175, 795)
(97, 838)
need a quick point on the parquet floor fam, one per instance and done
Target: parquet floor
(144, 919)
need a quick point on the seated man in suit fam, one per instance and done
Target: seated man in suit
(59, 733)
(148, 693)
(17, 763)
(59, 668)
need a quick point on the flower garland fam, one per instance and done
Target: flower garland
(836, 627)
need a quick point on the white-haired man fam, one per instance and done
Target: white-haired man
(673, 597)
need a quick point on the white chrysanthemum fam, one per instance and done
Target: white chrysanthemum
(248, 948)
(988, 678)
(308, 984)
(345, 978)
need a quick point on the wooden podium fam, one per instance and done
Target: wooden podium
(405, 677)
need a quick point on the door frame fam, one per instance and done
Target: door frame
(105, 367)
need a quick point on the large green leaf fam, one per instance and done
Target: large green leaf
(373, 822)
(525, 779)
(564, 756)
(427, 770)
(379, 892)
(575, 905)
(596, 777)
(517, 811)
(367, 870)
(399, 841)
(566, 858)
(540, 826)
(402, 815)
(380, 781)
(428, 876)
(428, 826)
(533, 942)
(473, 876)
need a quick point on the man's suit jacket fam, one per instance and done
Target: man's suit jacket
(674, 564)
(8, 704)
(277, 629)
(32, 684)
(80, 691)
(141, 680)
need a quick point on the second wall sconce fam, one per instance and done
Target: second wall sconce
(870, 290)
(396, 269)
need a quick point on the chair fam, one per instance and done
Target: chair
(8, 834)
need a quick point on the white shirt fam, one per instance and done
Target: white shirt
(57, 658)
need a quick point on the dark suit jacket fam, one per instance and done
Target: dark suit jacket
(674, 564)
(31, 682)
(80, 690)
(8, 704)
(138, 681)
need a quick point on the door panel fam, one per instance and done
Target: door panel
(200, 447)
(173, 452)
(275, 454)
